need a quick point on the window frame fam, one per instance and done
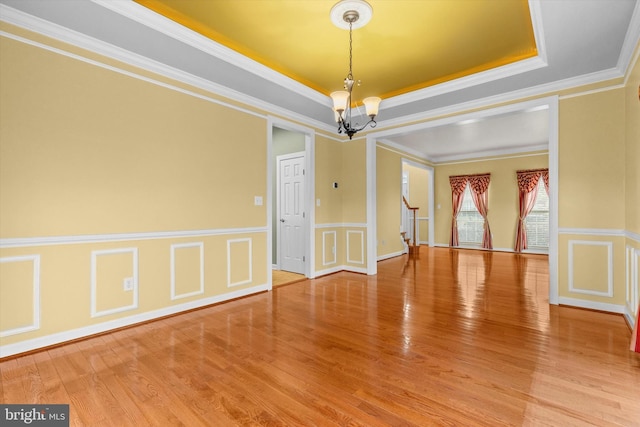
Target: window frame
(467, 197)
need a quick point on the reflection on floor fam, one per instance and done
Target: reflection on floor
(281, 277)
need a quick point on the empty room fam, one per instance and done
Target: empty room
(320, 212)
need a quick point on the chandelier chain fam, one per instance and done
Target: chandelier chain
(350, 76)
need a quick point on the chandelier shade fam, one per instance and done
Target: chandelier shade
(350, 11)
(340, 100)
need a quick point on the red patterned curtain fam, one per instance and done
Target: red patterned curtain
(458, 184)
(527, 183)
(479, 193)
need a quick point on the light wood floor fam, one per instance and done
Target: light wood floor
(455, 338)
(281, 277)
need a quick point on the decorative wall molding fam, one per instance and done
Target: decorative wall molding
(341, 225)
(355, 261)
(633, 236)
(249, 278)
(123, 237)
(35, 320)
(176, 247)
(572, 286)
(325, 235)
(87, 331)
(94, 281)
(609, 232)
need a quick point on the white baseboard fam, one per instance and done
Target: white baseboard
(331, 270)
(61, 337)
(340, 268)
(391, 255)
(600, 306)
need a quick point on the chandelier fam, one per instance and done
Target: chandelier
(354, 13)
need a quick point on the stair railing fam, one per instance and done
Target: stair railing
(410, 236)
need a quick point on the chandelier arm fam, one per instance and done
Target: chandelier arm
(344, 112)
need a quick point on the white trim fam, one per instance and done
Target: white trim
(608, 232)
(498, 73)
(391, 255)
(591, 91)
(333, 249)
(554, 130)
(488, 111)
(250, 262)
(174, 247)
(633, 236)
(592, 305)
(35, 318)
(632, 297)
(55, 31)
(122, 237)
(310, 189)
(191, 38)
(485, 159)
(94, 281)
(61, 337)
(362, 249)
(342, 225)
(153, 66)
(572, 287)
(353, 269)
(631, 318)
(332, 270)
(630, 42)
(372, 209)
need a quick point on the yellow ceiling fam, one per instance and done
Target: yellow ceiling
(407, 45)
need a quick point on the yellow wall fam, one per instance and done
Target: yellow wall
(591, 203)
(388, 199)
(632, 150)
(592, 161)
(419, 197)
(341, 216)
(103, 177)
(632, 189)
(503, 195)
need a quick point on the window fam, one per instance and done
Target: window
(537, 222)
(470, 222)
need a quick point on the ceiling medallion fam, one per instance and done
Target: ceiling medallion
(351, 14)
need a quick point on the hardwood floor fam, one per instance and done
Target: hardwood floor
(281, 277)
(454, 338)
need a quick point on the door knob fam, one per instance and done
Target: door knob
(281, 219)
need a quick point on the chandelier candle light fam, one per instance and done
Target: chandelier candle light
(351, 14)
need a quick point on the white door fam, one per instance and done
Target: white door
(291, 213)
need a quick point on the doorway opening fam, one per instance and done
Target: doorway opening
(290, 208)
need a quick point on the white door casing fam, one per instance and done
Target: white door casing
(291, 215)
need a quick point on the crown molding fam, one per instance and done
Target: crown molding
(402, 149)
(157, 22)
(82, 41)
(631, 41)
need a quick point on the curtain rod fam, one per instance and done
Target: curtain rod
(473, 174)
(534, 170)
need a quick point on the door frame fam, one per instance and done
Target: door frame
(483, 109)
(309, 182)
(430, 195)
(279, 158)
